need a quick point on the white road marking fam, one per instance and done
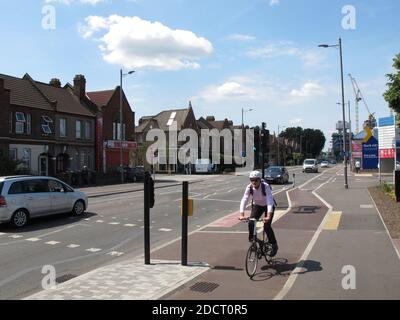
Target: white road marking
(115, 253)
(32, 239)
(73, 246)
(93, 250)
(15, 236)
(52, 243)
(114, 223)
(88, 219)
(229, 191)
(2, 234)
(100, 221)
(366, 206)
(165, 230)
(130, 225)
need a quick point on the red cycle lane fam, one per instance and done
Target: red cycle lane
(223, 245)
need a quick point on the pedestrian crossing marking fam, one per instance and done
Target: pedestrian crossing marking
(333, 220)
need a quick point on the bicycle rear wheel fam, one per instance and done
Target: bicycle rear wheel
(252, 260)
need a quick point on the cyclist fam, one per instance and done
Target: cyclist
(262, 202)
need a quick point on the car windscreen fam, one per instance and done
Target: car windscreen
(274, 170)
(309, 162)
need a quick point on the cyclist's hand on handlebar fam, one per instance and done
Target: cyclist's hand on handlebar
(243, 218)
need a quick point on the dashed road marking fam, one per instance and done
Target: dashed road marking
(130, 225)
(100, 221)
(114, 223)
(15, 236)
(52, 243)
(165, 230)
(93, 250)
(33, 239)
(115, 253)
(88, 219)
(73, 246)
(366, 206)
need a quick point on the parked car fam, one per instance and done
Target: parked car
(26, 197)
(205, 166)
(276, 174)
(310, 165)
(324, 164)
(134, 174)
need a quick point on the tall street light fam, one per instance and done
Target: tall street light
(243, 131)
(344, 117)
(243, 111)
(279, 156)
(121, 130)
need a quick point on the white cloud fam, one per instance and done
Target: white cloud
(136, 43)
(274, 3)
(68, 2)
(296, 121)
(309, 89)
(310, 57)
(241, 37)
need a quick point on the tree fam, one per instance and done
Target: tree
(392, 95)
(7, 166)
(312, 141)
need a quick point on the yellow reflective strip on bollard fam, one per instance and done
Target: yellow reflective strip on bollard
(190, 207)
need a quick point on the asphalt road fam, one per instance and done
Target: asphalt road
(112, 230)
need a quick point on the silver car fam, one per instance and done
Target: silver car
(25, 197)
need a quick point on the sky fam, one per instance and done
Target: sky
(223, 56)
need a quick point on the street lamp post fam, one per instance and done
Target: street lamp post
(243, 131)
(279, 157)
(121, 130)
(343, 111)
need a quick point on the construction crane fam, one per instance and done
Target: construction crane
(371, 122)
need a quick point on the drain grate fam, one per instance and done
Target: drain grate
(204, 287)
(65, 278)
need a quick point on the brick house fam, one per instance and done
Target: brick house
(49, 128)
(110, 135)
(184, 118)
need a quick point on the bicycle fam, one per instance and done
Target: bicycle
(257, 250)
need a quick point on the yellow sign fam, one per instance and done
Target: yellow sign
(190, 207)
(369, 133)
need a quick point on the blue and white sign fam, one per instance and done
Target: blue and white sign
(385, 122)
(370, 150)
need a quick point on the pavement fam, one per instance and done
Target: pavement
(324, 232)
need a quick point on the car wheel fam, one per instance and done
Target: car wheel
(20, 218)
(79, 208)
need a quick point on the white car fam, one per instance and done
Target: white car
(324, 164)
(25, 197)
(310, 165)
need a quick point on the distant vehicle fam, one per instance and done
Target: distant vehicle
(397, 165)
(134, 174)
(324, 164)
(205, 166)
(332, 161)
(26, 197)
(310, 165)
(276, 174)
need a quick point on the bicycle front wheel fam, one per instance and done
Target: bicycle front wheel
(251, 260)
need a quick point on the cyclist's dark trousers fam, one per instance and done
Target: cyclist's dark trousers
(257, 212)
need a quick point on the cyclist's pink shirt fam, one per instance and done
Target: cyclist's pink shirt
(258, 197)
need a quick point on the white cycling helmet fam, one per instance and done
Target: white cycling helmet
(255, 175)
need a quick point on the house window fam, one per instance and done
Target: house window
(116, 131)
(46, 125)
(20, 122)
(78, 129)
(11, 122)
(26, 158)
(63, 127)
(124, 131)
(28, 123)
(13, 154)
(87, 130)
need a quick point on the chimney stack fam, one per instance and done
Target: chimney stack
(80, 86)
(210, 118)
(55, 83)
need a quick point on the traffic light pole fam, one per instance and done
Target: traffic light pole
(263, 141)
